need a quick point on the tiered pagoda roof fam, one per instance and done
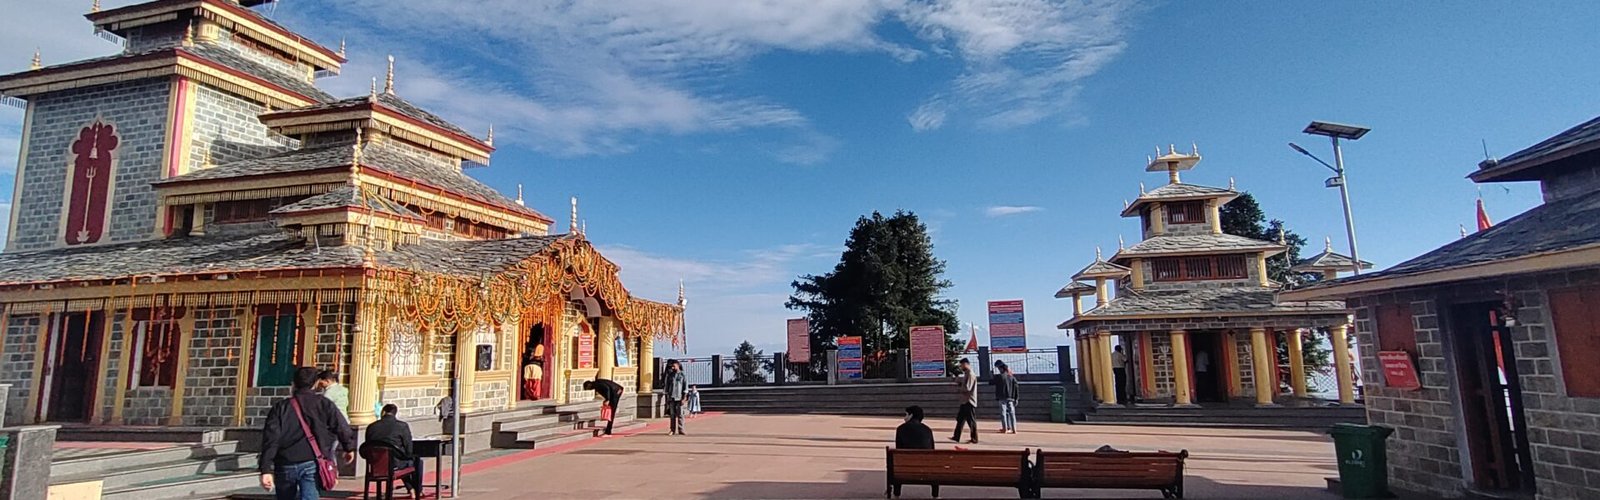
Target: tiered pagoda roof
(1078, 288)
(1196, 244)
(1328, 260)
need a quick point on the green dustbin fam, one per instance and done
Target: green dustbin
(1363, 460)
(1058, 403)
(5, 442)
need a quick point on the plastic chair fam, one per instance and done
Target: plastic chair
(380, 469)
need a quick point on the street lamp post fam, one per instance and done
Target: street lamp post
(1336, 131)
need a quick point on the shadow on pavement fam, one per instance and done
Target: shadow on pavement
(870, 484)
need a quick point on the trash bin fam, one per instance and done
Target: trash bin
(1363, 459)
(5, 442)
(1058, 403)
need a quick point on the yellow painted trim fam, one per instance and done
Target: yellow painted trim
(323, 284)
(453, 207)
(46, 329)
(278, 40)
(5, 325)
(18, 180)
(207, 74)
(88, 77)
(247, 353)
(1180, 368)
(1297, 365)
(1341, 364)
(180, 383)
(411, 382)
(1137, 268)
(1261, 366)
(129, 332)
(310, 335)
(1235, 374)
(105, 363)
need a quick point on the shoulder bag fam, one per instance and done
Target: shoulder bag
(327, 471)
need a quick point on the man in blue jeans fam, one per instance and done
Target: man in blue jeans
(288, 462)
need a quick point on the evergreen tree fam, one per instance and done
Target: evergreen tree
(748, 365)
(887, 281)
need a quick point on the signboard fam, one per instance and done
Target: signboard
(586, 347)
(927, 351)
(1398, 370)
(621, 349)
(799, 340)
(849, 357)
(1007, 333)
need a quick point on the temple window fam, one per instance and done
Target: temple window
(405, 349)
(1201, 267)
(276, 335)
(241, 211)
(483, 349)
(1395, 327)
(155, 347)
(1186, 212)
(1577, 336)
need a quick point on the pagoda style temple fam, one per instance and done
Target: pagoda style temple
(193, 219)
(1194, 308)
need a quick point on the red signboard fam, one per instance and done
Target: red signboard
(927, 351)
(586, 347)
(799, 340)
(89, 182)
(1398, 370)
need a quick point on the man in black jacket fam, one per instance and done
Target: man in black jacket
(609, 391)
(913, 434)
(288, 463)
(394, 434)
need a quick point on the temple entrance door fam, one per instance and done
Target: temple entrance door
(535, 350)
(1491, 398)
(73, 367)
(1206, 369)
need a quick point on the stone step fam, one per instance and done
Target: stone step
(514, 438)
(130, 476)
(77, 467)
(531, 422)
(205, 485)
(141, 434)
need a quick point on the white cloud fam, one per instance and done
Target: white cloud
(929, 116)
(1005, 210)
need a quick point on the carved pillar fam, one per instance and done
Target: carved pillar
(1297, 365)
(466, 367)
(605, 351)
(647, 364)
(1341, 364)
(1261, 357)
(1230, 359)
(197, 220)
(363, 368)
(1102, 293)
(1180, 369)
(1261, 269)
(1102, 358)
(1085, 378)
(1158, 219)
(1137, 279)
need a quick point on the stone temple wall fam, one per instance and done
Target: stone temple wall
(211, 379)
(22, 337)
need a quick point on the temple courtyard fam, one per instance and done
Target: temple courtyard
(819, 456)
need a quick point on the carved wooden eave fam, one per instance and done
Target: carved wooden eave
(253, 188)
(432, 198)
(76, 295)
(229, 15)
(168, 62)
(376, 116)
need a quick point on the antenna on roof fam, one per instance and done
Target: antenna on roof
(1488, 161)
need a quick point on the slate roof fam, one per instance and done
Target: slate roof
(211, 53)
(1179, 191)
(1101, 269)
(374, 155)
(1328, 259)
(343, 197)
(390, 101)
(1206, 301)
(1585, 136)
(1194, 244)
(1557, 225)
(1076, 286)
(264, 250)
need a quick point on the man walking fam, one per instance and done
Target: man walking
(1119, 372)
(1005, 393)
(297, 430)
(677, 389)
(969, 402)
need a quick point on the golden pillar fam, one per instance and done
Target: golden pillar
(605, 351)
(1230, 356)
(1261, 269)
(1214, 212)
(466, 367)
(1341, 364)
(1261, 359)
(1102, 358)
(363, 368)
(1297, 365)
(647, 364)
(1137, 279)
(1102, 292)
(1158, 219)
(1180, 369)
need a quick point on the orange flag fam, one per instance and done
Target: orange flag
(972, 342)
(1483, 217)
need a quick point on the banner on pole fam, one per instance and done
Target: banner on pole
(927, 352)
(799, 340)
(850, 357)
(1007, 332)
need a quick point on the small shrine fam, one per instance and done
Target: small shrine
(1193, 308)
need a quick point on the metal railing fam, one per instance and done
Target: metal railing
(1032, 362)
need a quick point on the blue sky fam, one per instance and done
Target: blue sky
(732, 144)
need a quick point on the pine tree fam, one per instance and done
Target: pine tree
(887, 281)
(748, 365)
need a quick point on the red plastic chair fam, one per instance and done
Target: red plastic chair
(380, 470)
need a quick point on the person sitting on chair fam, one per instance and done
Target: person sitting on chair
(395, 435)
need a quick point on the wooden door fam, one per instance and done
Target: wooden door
(1490, 399)
(74, 367)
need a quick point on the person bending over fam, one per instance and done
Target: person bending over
(609, 391)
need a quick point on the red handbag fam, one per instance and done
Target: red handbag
(605, 411)
(327, 471)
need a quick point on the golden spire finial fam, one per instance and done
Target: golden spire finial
(355, 159)
(1282, 238)
(205, 159)
(519, 195)
(1196, 148)
(94, 7)
(1141, 188)
(1172, 149)
(572, 225)
(1120, 245)
(341, 47)
(1327, 243)
(388, 81)
(1463, 230)
(1124, 203)
(682, 301)
(37, 62)
(1230, 185)
(372, 93)
(490, 138)
(1097, 253)
(188, 35)
(583, 228)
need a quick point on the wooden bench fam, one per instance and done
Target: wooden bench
(957, 468)
(1111, 469)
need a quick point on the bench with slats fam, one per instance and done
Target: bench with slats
(937, 468)
(1113, 470)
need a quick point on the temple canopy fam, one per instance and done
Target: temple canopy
(1075, 288)
(1328, 260)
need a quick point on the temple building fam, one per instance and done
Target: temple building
(193, 219)
(1478, 353)
(1193, 308)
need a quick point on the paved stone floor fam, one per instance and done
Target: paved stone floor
(811, 456)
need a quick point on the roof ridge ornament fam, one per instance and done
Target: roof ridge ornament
(188, 35)
(388, 81)
(355, 160)
(94, 7)
(1282, 239)
(1141, 188)
(1097, 253)
(37, 62)
(1120, 245)
(682, 301)
(572, 225)
(519, 195)
(489, 140)
(1231, 185)
(341, 47)
(372, 94)
(1327, 242)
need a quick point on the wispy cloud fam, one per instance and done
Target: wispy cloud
(1007, 210)
(928, 116)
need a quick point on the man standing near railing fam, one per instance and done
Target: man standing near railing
(676, 388)
(969, 402)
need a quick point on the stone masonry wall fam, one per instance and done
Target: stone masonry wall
(1161, 343)
(213, 372)
(138, 110)
(416, 402)
(115, 338)
(226, 126)
(147, 406)
(1244, 363)
(1424, 452)
(22, 336)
